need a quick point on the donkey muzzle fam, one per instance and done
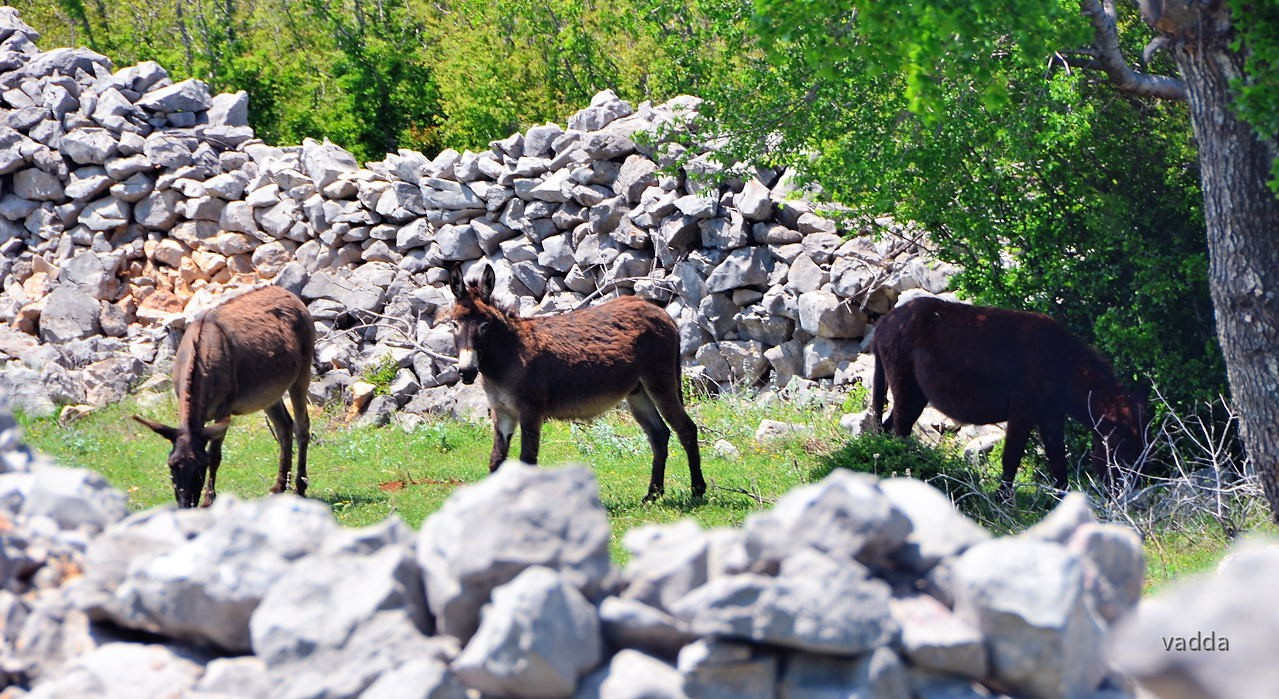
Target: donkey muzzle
(468, 365)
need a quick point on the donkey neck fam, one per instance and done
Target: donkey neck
(195, 373)
(505, 351)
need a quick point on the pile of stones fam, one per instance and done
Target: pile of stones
(129, 202)
(851, 586)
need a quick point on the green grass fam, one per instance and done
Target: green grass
(368, 473)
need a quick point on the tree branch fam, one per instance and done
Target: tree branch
(1101, 13)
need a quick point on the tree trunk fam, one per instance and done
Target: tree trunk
(1242, 217)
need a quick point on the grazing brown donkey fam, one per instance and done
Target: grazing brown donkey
(235, 359)
(574, 366)
(983, 365)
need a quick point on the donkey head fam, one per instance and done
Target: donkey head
(1121, 434)
(473, 318)
(189, 458)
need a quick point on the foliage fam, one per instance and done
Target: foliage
(1257, 36)
(1052, 192)
(382, 373)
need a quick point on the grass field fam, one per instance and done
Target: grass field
(367, 473)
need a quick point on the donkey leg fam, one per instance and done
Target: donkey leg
(503, 429)
(215, 460)
(301, 432)
(659, 436)
(530, 436)
(671, 406)
(1014, 448)
(282, 426)
(1053, 432)
(908, 404)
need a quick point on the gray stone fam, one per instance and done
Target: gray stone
(668, 562)
(538, 636)
(822, 356)
(69, 314)
(637, 174)
(319, 602)
(938, 530)
(755, 201)
(878, 675)
(458, 243)
(133, 189)
(716, 669)
(109, 380)
(629, 623)
(416, 678)
(845, 516)
(106, 214)
(37, 185)
(87, 182)
(449, 195)
(167, 151)
(88, 145)
(158, 210)
(933, 638)
(631, 674)
(245, 676)
(605, 108)
(487, 533)
(1209, 636)
(229, 109)
(1066, 518)
(183, 593)
(1114, 567)
(836, 611)
(824, 314)
(325, 162)
(744, 267)
(187, 96)
(1027, 599)
(73, 499)
(119, 670)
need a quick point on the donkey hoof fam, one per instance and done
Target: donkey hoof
(653, 495)
(302, 483)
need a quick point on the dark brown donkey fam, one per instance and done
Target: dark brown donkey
(574, 366)
(983, 365)
(235, 359)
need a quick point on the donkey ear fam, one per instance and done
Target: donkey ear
(217, 430)
(169, 433)
(488, 282)
(457, 282)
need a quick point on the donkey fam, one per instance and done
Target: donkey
(235, 359)
(574, 366)
(982, 365)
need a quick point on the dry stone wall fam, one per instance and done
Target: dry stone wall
(128, 202)
(852, 586)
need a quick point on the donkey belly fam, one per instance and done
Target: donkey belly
(585, 408)
(261, 396)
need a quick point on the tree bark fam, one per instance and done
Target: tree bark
(1242, 218)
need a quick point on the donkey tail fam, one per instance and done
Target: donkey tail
(878, 392)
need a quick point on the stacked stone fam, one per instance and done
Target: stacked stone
(130, 202)
(852, 586)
